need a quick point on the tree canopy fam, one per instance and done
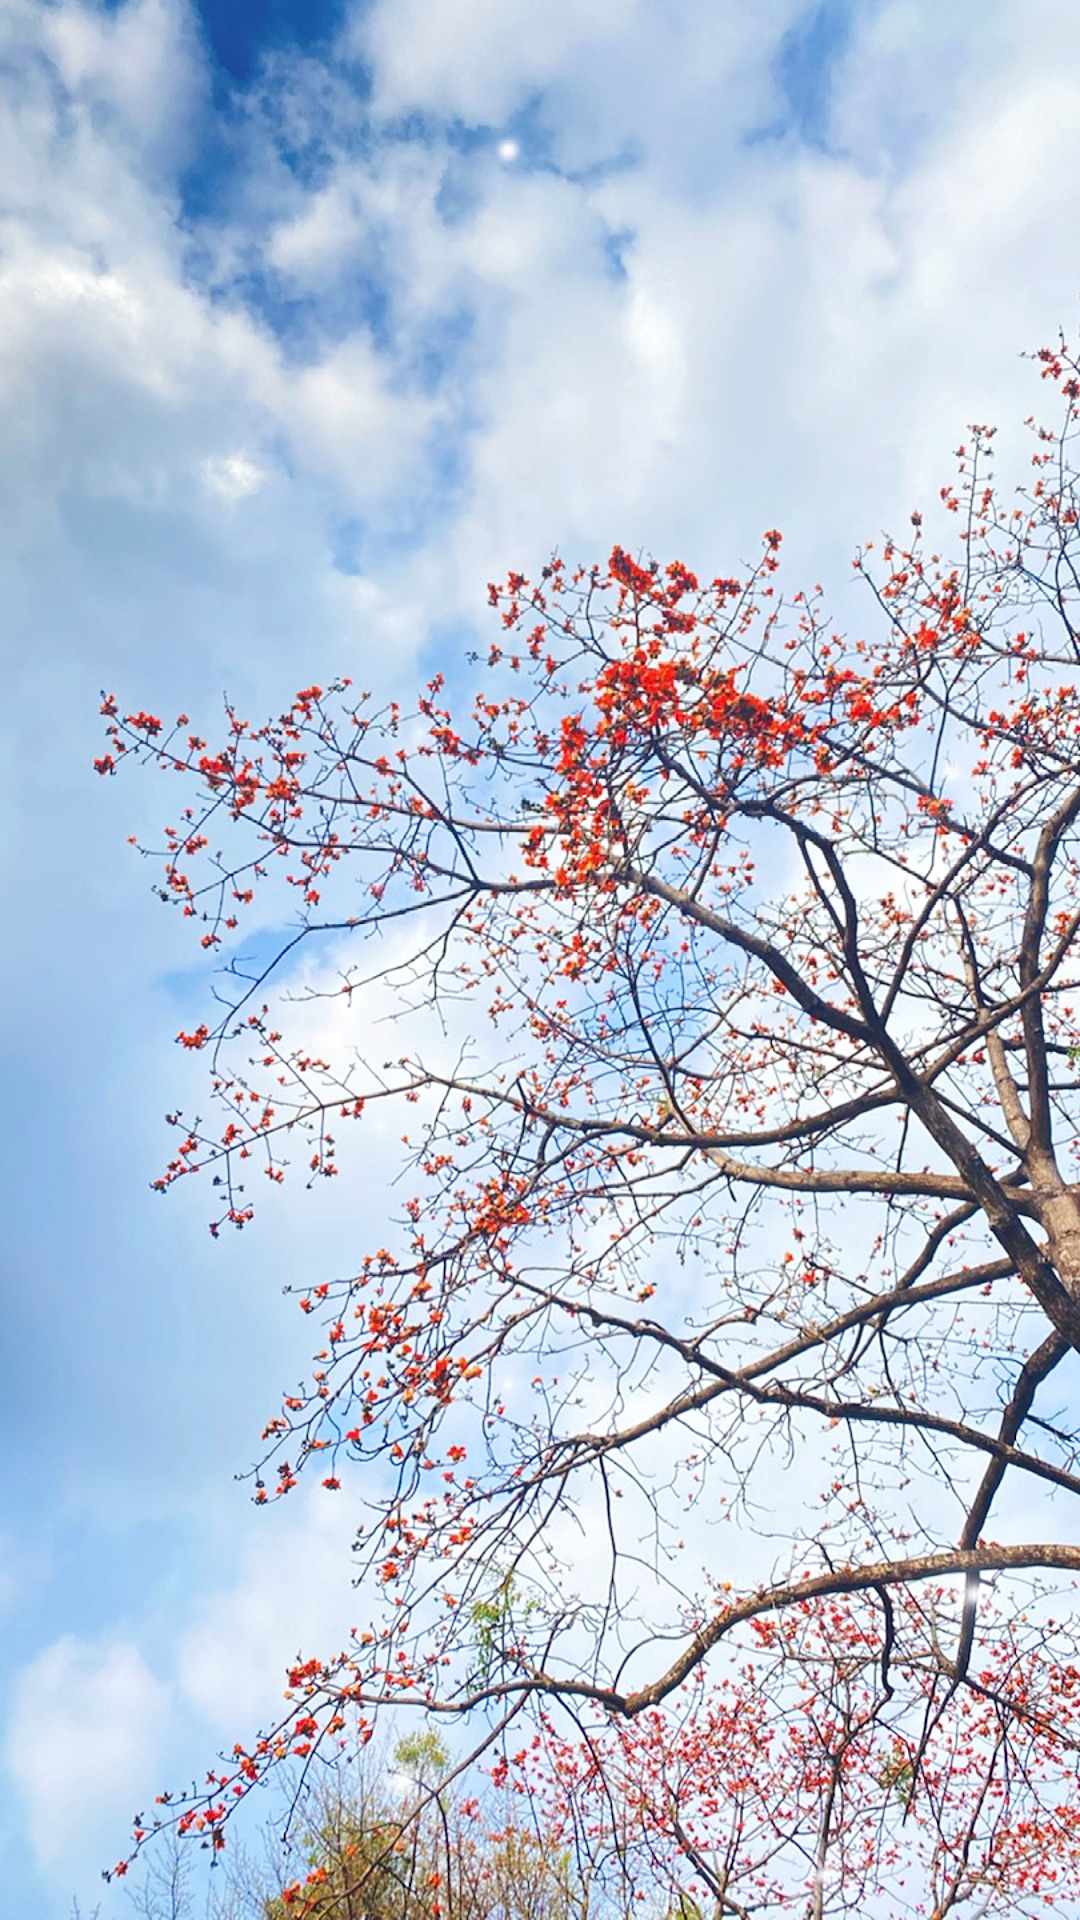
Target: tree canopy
(711, 1392)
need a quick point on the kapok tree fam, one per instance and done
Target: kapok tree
(710, 1392)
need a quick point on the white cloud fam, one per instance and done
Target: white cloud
(292, 1590)
(798, 337)
(616, 70)
(139, 62)
(232, 476)
(477, 58)
(83, 1742)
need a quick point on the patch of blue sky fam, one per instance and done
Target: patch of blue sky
(455, 647)
(424, 129)
(419, 514)
(804, 71)
(467, 149)
(315, 112)
(269, 957)
(67, 1544)
(522, 144)
(268, 143)
(240, 33)
(617, 244)
(358, 297)
(444, 347)
(290, 123)
(242, 175)
(529, 131)
(305, 324)
(461, 192)
(348, 546)
(212, 184)
(528, 142)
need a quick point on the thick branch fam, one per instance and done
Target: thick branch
(1030, 943)
(780, 967)
(1035, 1370)
(883, 1573)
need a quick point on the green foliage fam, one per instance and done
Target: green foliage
(492, 1622)
(489, 1619)
(422, 1757)
(898, 1777)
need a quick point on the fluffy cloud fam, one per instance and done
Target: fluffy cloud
(291, 1591)
(232, 476)
(616, 70)
(83, 1744)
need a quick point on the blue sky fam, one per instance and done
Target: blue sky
(238, 33)
(314, 318)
